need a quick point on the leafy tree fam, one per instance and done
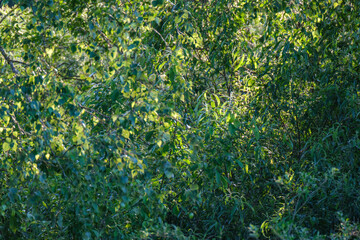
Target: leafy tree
(179, 119)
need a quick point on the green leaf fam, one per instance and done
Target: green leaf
(172, 74)
(6, 146)
(218, 177)
(73, 48)
(161, 65)
(217, 100)
(232, 129)
(125, 133)
(256, 133)
(91, 25)
(169, 174)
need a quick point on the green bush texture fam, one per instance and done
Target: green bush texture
(179, 119)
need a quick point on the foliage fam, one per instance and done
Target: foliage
(179, 119)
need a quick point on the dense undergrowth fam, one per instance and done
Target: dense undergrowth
(179, 119)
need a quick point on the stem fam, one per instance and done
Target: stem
(3, 18)
(8, 60)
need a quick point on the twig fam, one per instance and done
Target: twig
(23, 132)
(3, 18)
(110, 44)
(77, 78)
(19, 62)
(228, 84)
(9, 61)
(171, 3)
(160, 36)
(70, 148)
(103, 35)
(92, 111)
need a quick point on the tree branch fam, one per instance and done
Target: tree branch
(160, 36)
(93, 111)
(19, 62)
(8, 60)
(3, 18)
(22, 131)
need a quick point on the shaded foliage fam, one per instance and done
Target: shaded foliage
(179, 120)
